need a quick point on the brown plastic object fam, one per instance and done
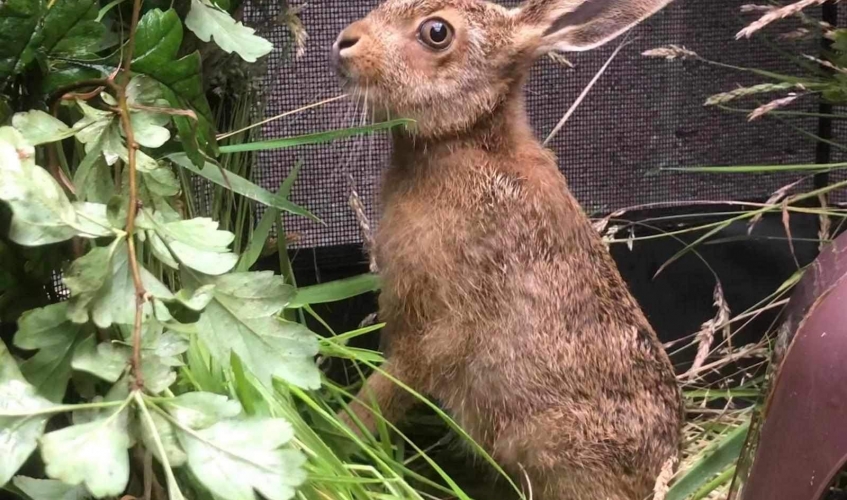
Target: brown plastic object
(803, 442)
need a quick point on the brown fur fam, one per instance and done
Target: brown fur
(501, 300)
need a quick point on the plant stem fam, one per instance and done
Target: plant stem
(60, 409)
(140, 293)
(173, 487)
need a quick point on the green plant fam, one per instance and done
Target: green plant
(169, 369)
(720, 443)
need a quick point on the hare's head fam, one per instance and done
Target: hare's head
(448, 63)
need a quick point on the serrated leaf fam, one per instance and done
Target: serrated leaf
(169, 344)
(167, 434)
(160, 180)
(18, 20)
(18, 434)
(241, 319)
(148, 130)
(49, 489)
(148, 126)
(38, 127)
(104, 360)
(93, 179)
(94, 454)
(45, 327)
(199, 410)
(101, 131)
(198, 299)
(49, 370)
(197, 243)
(208, 21)
(42, 212)
(109, 297)
(235, 457)
(88, 273)
(70, 28)
(158, 39)
(92, 218)
(160, 249)
(157, 375)
(48, 330)
(98, 129)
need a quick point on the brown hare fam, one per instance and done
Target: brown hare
(500, 299)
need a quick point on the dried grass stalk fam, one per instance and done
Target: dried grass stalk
(775, 15)
(825, 230)
(826, 64)
(364, 225)
(725, 97)
(775, 198)
(671, 52)
(560, 59)
(660, 490)
(752, 7)
(797, 34)
(767, 108)
(706, 336)
(290, 17)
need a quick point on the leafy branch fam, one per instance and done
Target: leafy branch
(162, 311)
(132, 209)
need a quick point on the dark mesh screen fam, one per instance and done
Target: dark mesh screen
(643, 114)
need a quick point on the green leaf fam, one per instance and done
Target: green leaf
(38, 127)
(148, 126)
(158, 39)
(207, 22)
(197, 243)
(167, 434)
(102, 288)
(257, 240)
(48, 330)
(19, 432)
(720, 455)
(93, 179)
(49, 489)
(318, 138)
(335, 291)
(45, 327)
(167, 345)
(94, 454)
(18, 20)
(235, 457)
(99, 129)
(105, 360)
(161, 180)
(157, 374)
(70, 29)
(240, 185)
(196, 300)
(241, 319)
(42, 212)
(199, 410)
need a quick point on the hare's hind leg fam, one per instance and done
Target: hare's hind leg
(379, 394)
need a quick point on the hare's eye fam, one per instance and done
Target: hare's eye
(436, 34)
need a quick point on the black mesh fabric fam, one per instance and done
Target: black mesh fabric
(643, 114)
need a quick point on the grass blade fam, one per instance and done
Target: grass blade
(318, 138)
(241, 186)
(757, 169)
(335, 290)
(714, 460)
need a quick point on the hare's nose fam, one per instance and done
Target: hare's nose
(347, 40)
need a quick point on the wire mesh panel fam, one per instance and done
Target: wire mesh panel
(644, 114)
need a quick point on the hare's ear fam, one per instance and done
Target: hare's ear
(576, 25)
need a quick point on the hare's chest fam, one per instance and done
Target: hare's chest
(418, 252)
